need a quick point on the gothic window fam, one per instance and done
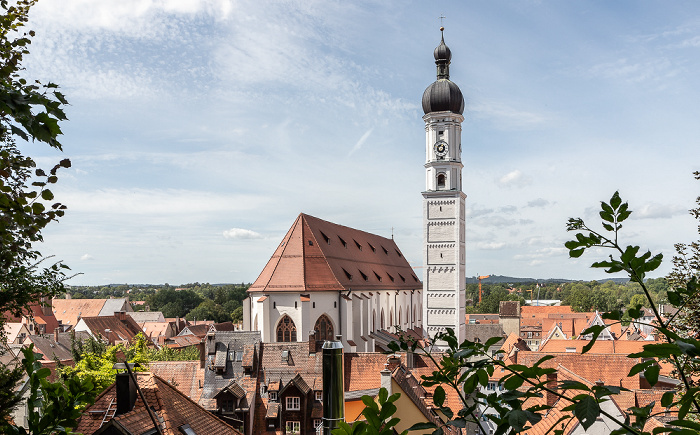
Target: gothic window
(408, 315)
(323, 328)
(374, 320)
(391, 318)
(441, 181)
(286, 331)
(382, 321)
(399, 317)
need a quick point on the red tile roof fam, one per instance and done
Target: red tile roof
(170, 405)
(113, 328)
(186, 376)
(69, 311)
(600, 347)
(317, 255)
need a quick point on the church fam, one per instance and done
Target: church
(325, 279)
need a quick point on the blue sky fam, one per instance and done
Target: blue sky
(199, 130)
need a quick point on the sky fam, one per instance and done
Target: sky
(199, 130)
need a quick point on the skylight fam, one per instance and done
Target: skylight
(357, 244)
(347, 274)
(343, 242)
(363, 276)
(325, 237)
(402, 278)
(377, 275)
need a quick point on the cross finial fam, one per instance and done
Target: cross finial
(442, 17)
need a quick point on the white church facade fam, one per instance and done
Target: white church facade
(325, 280)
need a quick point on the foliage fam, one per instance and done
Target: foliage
(95, 361)
(53, 407)
(466, 367)
(378, 417)
(29, 111)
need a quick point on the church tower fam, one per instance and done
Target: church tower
(444, 277)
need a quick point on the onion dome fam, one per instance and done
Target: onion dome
(443, 95)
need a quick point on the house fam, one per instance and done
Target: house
(121, 410)
(15, 332)
(38, 319)
(70, 311)
(57, 346)
(117, 328)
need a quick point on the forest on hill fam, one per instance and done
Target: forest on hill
(581, 295)
(218, 302)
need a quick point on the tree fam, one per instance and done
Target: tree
(28, 111)
(467, 366)
(54, 407)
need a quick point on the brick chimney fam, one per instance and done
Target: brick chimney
(202, 355)
(120, 315)
(55, 334)
(552, 385)
(312, 342)
(126, 393)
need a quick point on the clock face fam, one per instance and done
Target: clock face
(441, 148)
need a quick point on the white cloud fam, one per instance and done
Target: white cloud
(491, 245)
(658, 211)
(86, 257)
(507, 116)
(240, 233)
(514, 179)
(360, 142)
(539, 202)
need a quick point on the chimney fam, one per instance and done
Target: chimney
(386, 378)
(120, 315)
(202, 355)
(126, 393)
(552, 385)
(312, 342)
(333, 385)
(55, 334)
(410, 355)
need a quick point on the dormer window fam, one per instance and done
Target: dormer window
(272, 395)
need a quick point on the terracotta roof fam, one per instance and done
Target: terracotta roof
(170, 405)
(186, 376)
(180, 341)
(155, 329)
(543, 311)
(112, 328)
(199, 330)
(35, 312)
(317, 255)
(600, 346)
(69, 311)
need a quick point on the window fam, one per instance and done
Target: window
(273, 395)
(372, 247)
(441, 181)
(293, 403)
(390, 277)
(345, 245)
(363, 276)
(402, 278)
(357, 244)
(286, 330)
(379, 278)
(318, 422)
(325, 237)
(323, 328)
(347, 275)
(385, 251)
(319, 397)
(228, 405)
(398, 253)
(293, 427)
(529, 335)
(187, 430)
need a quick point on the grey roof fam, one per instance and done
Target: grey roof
(50, 349)
(111, 306)
(232, 370)
(482, 332)
(147, 316)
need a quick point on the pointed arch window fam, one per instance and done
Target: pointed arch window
(286, 330)
(323, 328)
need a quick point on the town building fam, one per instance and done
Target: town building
(69, 311)
(444, 273)
(326, 279)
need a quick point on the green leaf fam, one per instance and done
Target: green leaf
(667, 399)
(587, 411)
(513, 383)
(439, 396)
(46, 195)
(652, 374)
(615, 200)
(517, 419)
(422, 426)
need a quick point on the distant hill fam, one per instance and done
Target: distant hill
(500, 279)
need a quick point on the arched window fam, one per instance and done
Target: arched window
(286, 331)
(382, 322)
(374, 320)
(441, 180)
(399, 317)
(408, 316)
(391, 318)
(323, 328)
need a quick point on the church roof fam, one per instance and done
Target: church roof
(318, 255)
